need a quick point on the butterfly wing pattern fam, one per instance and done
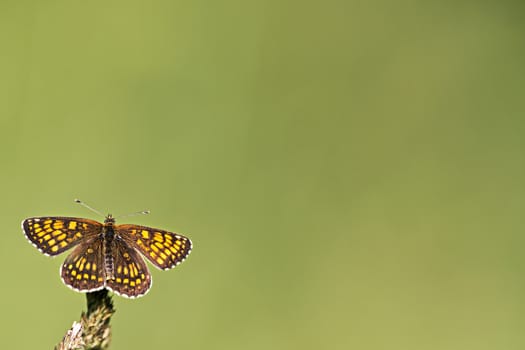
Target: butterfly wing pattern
(106, 255)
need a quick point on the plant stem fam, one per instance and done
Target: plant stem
(93, 332)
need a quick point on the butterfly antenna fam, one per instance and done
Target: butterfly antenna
(87, 206)
(145, 212)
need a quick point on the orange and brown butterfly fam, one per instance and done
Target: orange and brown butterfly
(106, 255)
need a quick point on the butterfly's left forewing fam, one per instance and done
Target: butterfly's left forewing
(164, 249)
(53, 235)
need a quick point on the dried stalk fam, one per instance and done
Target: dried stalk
(93, 331)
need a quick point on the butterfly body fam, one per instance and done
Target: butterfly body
(106, 255)
(108, 239)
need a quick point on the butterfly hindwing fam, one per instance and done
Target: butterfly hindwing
(164, 249)
(84, 270)
(131, 277)
(54, 235)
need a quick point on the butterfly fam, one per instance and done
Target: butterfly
(106, 255)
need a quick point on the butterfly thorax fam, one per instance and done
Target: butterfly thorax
(108, 246)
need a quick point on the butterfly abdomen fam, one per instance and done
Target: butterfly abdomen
(109, 237)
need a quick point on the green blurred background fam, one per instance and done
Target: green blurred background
(351, 172)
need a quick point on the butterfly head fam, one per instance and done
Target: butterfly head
(109, 219)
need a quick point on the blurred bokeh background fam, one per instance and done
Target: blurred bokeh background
(351, 172)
